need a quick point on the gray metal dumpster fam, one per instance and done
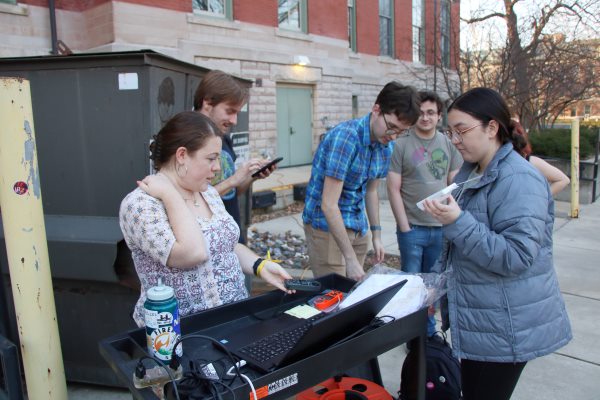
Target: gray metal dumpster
(94, 116)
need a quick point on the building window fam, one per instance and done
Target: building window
(291, 14)
(354, 106)
(573, 112)
(587, 110)
(352, 25)
(445, 33)
(386, 33)
(214, 8)
(418, 27)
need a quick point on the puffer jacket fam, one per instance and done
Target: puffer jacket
(504, 303)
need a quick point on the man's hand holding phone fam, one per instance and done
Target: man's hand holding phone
(266, 169)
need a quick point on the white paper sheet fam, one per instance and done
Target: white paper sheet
(410, 298)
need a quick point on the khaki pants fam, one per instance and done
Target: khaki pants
(324, 254)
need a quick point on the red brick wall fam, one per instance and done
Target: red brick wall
(261, 12)
(82, 5)
(69, 5)
(403, 29)
(429, 27)
(328, 18)
(455, 32)
(367, 26)
(177, 5)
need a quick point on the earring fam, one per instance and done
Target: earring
(178, 168)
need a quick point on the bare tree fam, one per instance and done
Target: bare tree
(539, 71)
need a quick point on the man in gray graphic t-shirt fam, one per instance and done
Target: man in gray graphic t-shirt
(423, 162)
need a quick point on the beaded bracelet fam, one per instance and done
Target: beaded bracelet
(375, 227)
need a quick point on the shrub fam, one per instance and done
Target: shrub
(556, 143)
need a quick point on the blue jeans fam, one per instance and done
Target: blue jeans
(419, 250)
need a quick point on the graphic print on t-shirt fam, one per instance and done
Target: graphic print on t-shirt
(227, 170)
(418, 156)
(438, 165)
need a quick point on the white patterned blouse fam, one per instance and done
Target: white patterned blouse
(220, 280)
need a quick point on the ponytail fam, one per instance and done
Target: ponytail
(519, 138)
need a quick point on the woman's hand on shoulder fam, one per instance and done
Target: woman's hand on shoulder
(157, 186)
(274, 274)
(444, 213)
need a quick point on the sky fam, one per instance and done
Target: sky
(493, 31)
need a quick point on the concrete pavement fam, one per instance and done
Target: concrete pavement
(573, 372)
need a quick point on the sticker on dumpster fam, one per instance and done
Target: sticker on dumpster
(20, 188)
(128, 81)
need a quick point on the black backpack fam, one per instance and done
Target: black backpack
(443, 372)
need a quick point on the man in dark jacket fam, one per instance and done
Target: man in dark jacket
(220, 97)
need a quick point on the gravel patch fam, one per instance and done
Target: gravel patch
(290, 248)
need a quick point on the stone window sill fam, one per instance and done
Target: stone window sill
(16, 9)
(203, 19)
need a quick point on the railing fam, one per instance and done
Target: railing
(588, 173)
(584, 174)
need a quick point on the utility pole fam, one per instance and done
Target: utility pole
(26, 245)
(575, 167)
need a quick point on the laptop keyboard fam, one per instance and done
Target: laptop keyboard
(279, 342)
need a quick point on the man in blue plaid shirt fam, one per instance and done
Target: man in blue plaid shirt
(345, 175)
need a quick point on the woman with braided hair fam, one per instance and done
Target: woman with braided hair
(177, 227)
(504, 303)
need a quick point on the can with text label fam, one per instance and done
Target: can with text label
(161, 315)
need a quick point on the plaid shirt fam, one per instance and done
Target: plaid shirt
(346, 153)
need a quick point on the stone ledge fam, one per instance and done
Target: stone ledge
(16, 9)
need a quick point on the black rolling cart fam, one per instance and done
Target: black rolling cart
(355, 356)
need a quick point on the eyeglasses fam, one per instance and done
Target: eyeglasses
(458, 135)
(429, 114)
(393, 130)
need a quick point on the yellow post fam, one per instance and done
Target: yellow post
(575, 168)
(25, 236)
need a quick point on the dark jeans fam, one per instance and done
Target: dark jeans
(419, 250)
(483, 380)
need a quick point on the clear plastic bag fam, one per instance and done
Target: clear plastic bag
(435, 283)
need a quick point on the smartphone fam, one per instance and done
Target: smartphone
(267, 166)
(440, 195)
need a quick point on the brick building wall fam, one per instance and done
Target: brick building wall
(251, 46)
(367, 31)
(403, 29)
(256, 12)
(328, 18)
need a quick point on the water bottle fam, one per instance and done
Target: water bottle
(161, 315)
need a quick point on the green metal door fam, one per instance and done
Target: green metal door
(294, 125)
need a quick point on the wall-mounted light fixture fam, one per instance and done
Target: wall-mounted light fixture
(301, 60)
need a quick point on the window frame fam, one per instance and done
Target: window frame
(355, 108)
(390, 39)
(445, 33)
(418, 41)
(302, 18)
(352, 25)
(227, 10)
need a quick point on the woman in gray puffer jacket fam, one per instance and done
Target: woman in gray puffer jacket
(504, 303)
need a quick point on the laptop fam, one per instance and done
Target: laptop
(280, 341)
